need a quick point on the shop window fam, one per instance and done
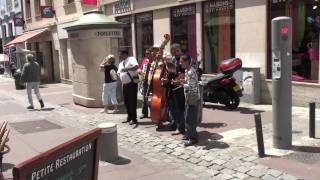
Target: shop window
(37, 7)
(126, 41)
(48, 2)
(144, 33)
(10, 30)
(28, 9)
(305, 36)
(183, 28)
(218, 33)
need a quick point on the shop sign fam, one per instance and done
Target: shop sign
(220, 5)
(18, 21)
(147, 17)
(46, 11)
(76, 159)
(122, 6)
(184, 11)
(109, 33)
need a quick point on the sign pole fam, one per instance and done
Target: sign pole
(281, 82)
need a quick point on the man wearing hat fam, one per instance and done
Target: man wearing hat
(128, 71)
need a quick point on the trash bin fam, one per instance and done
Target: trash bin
(18, 82)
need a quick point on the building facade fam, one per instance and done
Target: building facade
(11, 20)
(214, 30)
(51, 45)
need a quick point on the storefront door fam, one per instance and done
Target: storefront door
(218, 32)
(183, 28)
(126, 41)
(144, 33)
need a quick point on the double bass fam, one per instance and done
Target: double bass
(159, 110)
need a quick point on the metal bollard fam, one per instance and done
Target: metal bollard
(257, 119)
(109, 142)
(312, 119)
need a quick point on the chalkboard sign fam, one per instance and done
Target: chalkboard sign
(76, 159)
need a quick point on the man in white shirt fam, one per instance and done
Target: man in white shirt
(127, 71)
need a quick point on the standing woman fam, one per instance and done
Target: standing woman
(110, 84)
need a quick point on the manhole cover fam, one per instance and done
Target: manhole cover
(304, 157)
(34, 126)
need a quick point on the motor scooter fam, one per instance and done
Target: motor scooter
(223, 88)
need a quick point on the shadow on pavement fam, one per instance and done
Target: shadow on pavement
(47, 109)
(211, 141)
(310, 149)
(242, 110)
(212, 125)
(6, 166)
(121, 161)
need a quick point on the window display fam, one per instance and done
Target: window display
(219, 33)
(305, 36)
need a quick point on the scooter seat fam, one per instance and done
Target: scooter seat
(217, 77)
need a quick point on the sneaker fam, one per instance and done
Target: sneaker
(41, 104)
(190, 142)
(30, 107)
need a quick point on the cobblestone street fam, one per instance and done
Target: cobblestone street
(225, 155)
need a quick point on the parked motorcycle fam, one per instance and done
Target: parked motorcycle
(223, 88)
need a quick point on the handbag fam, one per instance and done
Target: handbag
(192, 99)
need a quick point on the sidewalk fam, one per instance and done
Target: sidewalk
(227, 147)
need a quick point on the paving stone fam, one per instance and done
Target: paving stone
(268, 177)
(184, 156)
(224, 176)
(208, 157)
(205, 163)
(240, 175)
(195, 155)
(255, 173)
(212, 172)
(218, 161)
(176, 153)
(179, 149)
(230, 165)
(168, 151)
(274, 173)
(172, 146)
(193, 176)
(227, 171)
(248, 164)
(216, 167)
(194, 160)
(288, 177)
(243, 169)
(250, 158)
(160, 147)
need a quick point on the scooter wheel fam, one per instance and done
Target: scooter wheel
(232, 102)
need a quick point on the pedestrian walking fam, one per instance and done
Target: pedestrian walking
(31, 75)
(128, 75)
(109, 90)
(192, 99)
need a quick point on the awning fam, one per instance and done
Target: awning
(24, 37)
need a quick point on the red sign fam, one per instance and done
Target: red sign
(90, 2)
(75, 159)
